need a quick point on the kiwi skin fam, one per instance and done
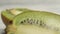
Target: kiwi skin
(6, 20)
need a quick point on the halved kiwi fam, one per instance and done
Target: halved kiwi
(30, 23)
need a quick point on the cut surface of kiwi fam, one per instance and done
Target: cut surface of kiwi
(32, 22)
(42, 19)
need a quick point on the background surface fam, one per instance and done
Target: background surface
(42, 5)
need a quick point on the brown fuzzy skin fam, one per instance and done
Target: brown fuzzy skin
(10, 28)
(6, 22)
(5, 31)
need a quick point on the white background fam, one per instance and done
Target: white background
(43, 5)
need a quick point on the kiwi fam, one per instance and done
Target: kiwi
(9, 14)
(36, 22)
(31, 22)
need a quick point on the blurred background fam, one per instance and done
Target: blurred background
(46, 5)
(42, 5)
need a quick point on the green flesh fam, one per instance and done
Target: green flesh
(9, 15)
(45, 19)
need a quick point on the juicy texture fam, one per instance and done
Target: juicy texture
(43, 19)
(32, 29)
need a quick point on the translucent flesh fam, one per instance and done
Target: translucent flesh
(51, 20)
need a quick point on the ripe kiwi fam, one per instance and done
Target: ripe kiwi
(31, 21)
(9, 14)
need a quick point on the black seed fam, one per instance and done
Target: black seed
(27, 20)
(10, 22)
(41, 23)
(37, 22)
(22, 22)
(31, 21)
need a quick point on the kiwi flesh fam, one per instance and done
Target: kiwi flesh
(36, 22)
(30, 29)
